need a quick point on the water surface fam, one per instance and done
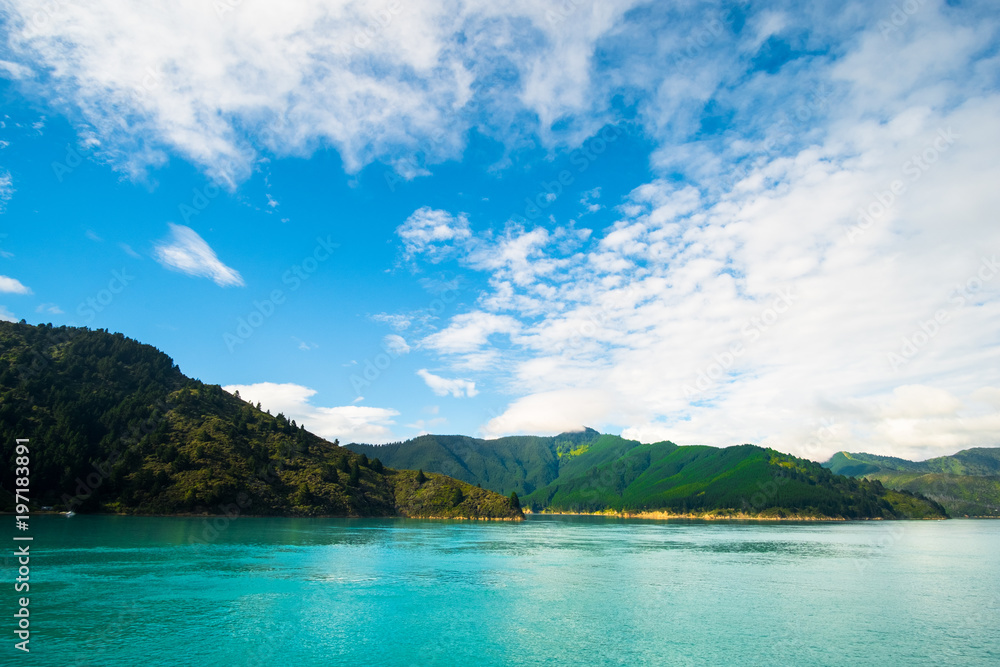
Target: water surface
(549, 590)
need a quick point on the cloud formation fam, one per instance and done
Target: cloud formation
(347, 423)
(837, 289)
(12, 286)
(188, 253)
(220, 84)
(6, 189)
(444, 386)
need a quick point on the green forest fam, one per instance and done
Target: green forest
(114, 426)
(588, 471)
(965, 484)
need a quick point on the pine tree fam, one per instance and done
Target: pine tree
(355, 473)
(421, 477)
(515, 502)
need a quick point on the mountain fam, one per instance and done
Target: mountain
(591, 472)
(965, 484)
(518, 463)
(115, 426)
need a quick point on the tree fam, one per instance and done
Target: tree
(355, 473)
(457, 496)
(515, 502)
(421, 477)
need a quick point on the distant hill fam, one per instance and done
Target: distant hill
(115, 426)
(591, 472)
(965, 484)
(517, 463)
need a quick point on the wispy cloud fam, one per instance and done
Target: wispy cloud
(432, 72)
(395, 345)
(50, 308)
(783, 287)
(6, 315)
(433, 234)
(445, 386)
(6, 189)
(185, 251)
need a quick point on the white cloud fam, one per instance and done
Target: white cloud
(589, 200)
(13, 70)
(188, 253)
(552, 412)
(348, 423)
(432, 233)
(423, 426)
(395, 345)
(396, 321)
(12, 286)
(6, 189)
(220, 87)
(49, 308)
(469, 332)
(444, 386)
(6, 315)
(760, 307)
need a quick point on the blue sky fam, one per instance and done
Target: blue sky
(707, 222)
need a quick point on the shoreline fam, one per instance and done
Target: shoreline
(738, 516)
(195, 515)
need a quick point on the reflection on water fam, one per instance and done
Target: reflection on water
(556, 589)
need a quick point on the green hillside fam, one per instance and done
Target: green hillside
(965, 484)
(590, 472)
(115, 426)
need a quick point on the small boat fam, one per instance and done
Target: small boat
(70, 513)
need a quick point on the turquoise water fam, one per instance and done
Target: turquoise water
(550, 590)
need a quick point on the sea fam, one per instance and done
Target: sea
(550, 590)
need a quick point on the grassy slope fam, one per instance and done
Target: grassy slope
(517, 463)
(115, 426)
(592, 472)
(966, 483)
(746, 479)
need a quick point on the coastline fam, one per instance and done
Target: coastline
(737, 516)
(195, 515)
(664, 516)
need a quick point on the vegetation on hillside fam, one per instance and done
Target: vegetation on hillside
(965, 484)
(590, 472)
(115, 426)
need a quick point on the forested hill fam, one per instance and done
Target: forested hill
(966, 483)
(589, 472)
(115, 426)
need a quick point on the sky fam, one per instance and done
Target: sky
(710, 223)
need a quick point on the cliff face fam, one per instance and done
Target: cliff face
(115, 426)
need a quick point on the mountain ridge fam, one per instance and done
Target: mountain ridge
(587, 472)
(966, 483)
(114, 426)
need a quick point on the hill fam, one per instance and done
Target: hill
(965, 484)
(115, 426)
(591, 472)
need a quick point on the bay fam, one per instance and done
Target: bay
(553, 590)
